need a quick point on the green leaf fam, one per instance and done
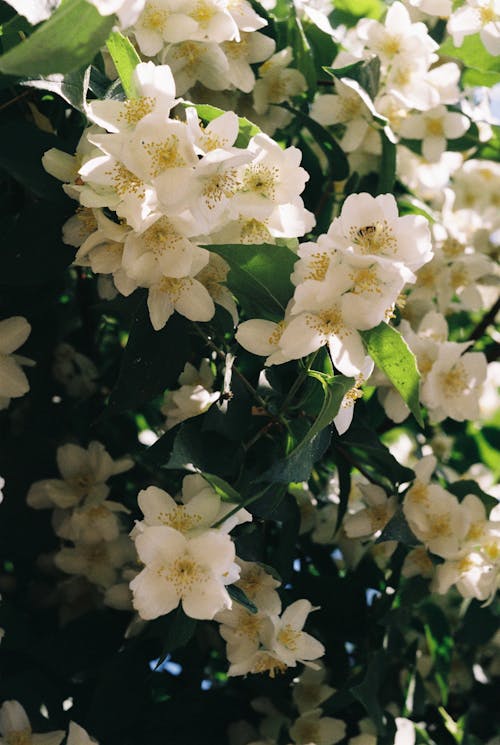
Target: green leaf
(334, 389)
(365, 72)
(392, 355)
(22, 146)
(70, 38)
(361, 447)
(298, 465)
(481, 67)
(246, 130)
(440, 643)
(223, 489)
(126, 60)
(387, 175)
(303, 56)
(152, 360)
(193, 450)
(337, 160)
(71, 87)
(367, 692)
(237, 594)
(466, 486)
(397, 529)
(259, 277)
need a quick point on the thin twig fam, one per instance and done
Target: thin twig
(483, 324)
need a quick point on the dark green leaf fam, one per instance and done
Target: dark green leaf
(207, 452)
(152, 360)
(298, 465)
(126, 60)
(223, 489)
(392, 355)
(440, 642)
(387, 175)
(22, 146)
(466, 486)
(71, 87)
(70, 38)
(237, 594)
(303, 56)
(337, 161)
(365, 72)
(367, 692)
(259, 277)
(397, 529)
(361, 446)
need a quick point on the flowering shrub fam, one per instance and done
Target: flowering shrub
(249, 461)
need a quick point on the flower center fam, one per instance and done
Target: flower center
(261, 180)
(267, 663)
(377, 238)
(125, 182)
(164, 155)
(434, 127)
(135, 109)
(318, 266)
(454, 382)
(19, 737)
(154, 18)
(288, 637)
(184, 572)
(180, 519)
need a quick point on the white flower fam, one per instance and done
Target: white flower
(78, 736)
(453, 386)
(348, 106)
(194, 397)
(310, 690)
(93, 522)
(13, 382)
(193, 572)
(186, 295)
(251, 48)
(474, 16)
(84, 475)
(398, 39)
(277, 82)
(259, 586)
(155, 87)
(434, 128)
(15, 728)
(127, 10)
(370, 226)
(314, 728)
(262, 338)
(98, 562)
(286, 639)
(193, 518)
(437, 518)
(372, 519)
(191, 61)
(75, 371)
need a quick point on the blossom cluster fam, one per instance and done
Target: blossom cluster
(174, 185)
(459, 532)
(266, 639)
(346, 282)
(413, 92)
(15, 727)
(96, 545)
(186, 549)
